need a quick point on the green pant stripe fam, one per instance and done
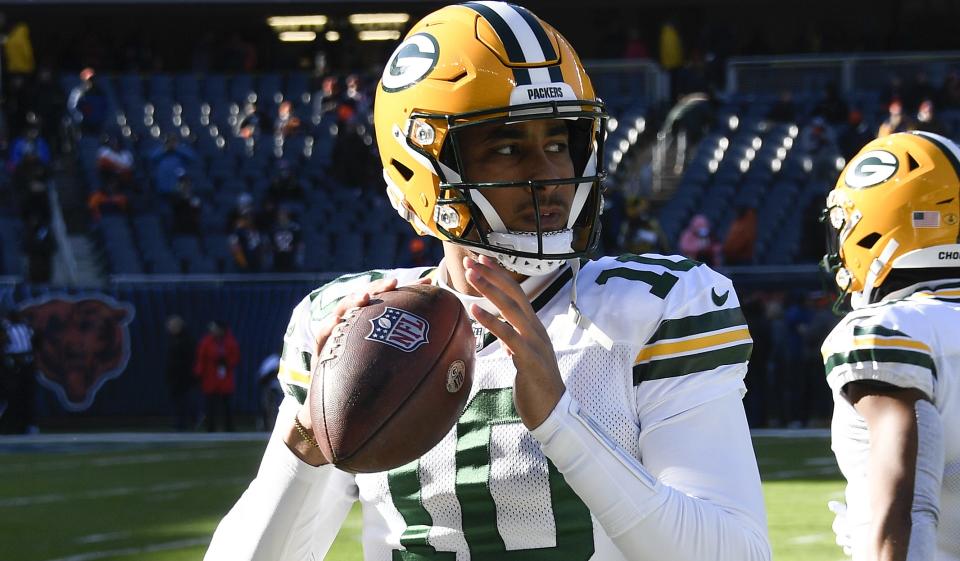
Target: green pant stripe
(683, 365)
(694, 325)
(855, 356)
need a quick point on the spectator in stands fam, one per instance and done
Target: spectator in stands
(186, 207)
(635, 47)
(354, 93)
(784, 110)
(168, 161)
(106, 199)
(328, 98)
(286, 241)
(29, 153)
(286, 186)
(88, 104)
(641, 232)
(39, 246)
(819, 141)
(832, 108)
(181, 379)
(671, 53)
(115, 163)
(741, 238)
(19, 375)
(253, 121)
(19, 70)
(34, 201)
(287, 124)
(928, 121)
(896, 121)
(247, 244)
(698, 242)
(217, 357)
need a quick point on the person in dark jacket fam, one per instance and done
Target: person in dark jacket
(181, 380)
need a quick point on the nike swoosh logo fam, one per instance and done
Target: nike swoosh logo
(719, 299)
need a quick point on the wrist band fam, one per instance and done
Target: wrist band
(303, 433)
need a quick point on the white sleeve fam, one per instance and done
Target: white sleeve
(696, 496)
(291, 511)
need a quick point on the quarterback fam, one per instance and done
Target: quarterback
(605, 422)
(893, 363)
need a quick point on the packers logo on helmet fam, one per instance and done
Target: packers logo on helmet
(412, 60)
(894, 207)
(871, 168)
(486, 63)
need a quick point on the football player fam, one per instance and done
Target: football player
(893, 363)
(605, 421)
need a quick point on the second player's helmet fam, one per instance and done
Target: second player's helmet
(473, 64)
(895, 206)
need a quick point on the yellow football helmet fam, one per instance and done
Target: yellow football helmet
(895, 206)
(479, 63)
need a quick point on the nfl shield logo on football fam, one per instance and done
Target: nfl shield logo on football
(399, 328)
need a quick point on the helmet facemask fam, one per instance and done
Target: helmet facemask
(539, 251)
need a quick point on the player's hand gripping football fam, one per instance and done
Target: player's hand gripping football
(304, 450)
(538, 386)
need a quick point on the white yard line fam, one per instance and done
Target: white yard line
(173, 486)
(92, 555)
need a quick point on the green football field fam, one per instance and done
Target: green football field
(161, 501)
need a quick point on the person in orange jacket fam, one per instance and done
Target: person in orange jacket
(217, 357)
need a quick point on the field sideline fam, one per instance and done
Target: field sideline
(158, 497)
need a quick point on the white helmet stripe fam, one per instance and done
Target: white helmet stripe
(520, 28)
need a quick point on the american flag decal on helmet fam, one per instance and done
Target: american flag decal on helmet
(399, 328)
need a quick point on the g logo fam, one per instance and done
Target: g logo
(872, 168)
(410, 63)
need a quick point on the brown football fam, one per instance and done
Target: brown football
(392, 379)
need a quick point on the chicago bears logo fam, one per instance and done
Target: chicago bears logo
(83, 342)
(872, 168)
(410, 63)
(399, 328)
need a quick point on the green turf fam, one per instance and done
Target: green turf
(161, 502)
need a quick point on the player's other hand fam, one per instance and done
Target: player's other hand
(538, 385)
(840, 527)
(304, 450)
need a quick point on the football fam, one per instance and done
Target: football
(392, 379)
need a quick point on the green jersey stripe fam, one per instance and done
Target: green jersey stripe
(404, 483)
(683, 365)
(695, 325)
(682, 265)
(900, 356)
(877, 330)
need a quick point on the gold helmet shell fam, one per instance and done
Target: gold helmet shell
(895, 206)
(475, 63)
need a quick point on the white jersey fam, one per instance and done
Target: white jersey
(487, 491)
(908, 340)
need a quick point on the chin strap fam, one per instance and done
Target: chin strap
(578, 317)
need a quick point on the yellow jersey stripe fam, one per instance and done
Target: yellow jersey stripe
(692, 345)
(293, 375)
(868, 342)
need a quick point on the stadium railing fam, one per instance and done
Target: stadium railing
(851, 72)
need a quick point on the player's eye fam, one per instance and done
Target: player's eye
(506, 150)
(558, 147)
